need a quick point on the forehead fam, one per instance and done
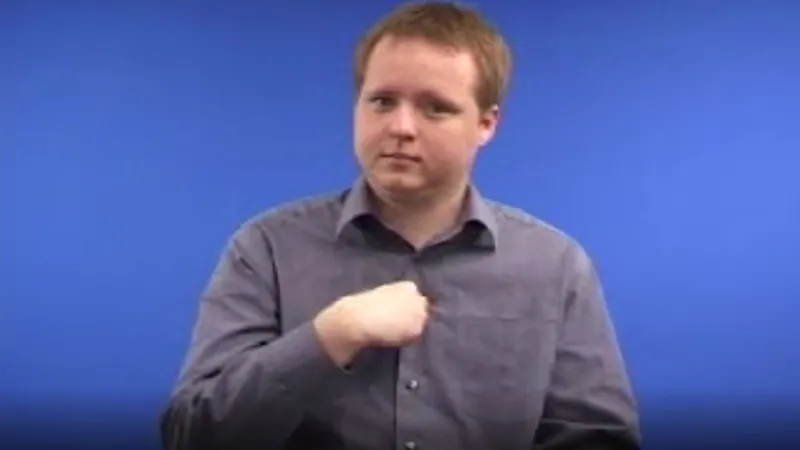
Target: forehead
(414, 64)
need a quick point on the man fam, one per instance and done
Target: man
(407, 311)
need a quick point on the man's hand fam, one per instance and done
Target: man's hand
(392, 315)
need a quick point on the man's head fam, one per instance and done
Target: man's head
(430, 79)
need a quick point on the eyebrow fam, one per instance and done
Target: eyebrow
(427, 94)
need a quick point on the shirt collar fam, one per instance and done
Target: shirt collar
(356, 204)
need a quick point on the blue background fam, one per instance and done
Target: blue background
(136, 136)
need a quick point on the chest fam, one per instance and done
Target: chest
(494, 317)
(489, 285)
(478, 376)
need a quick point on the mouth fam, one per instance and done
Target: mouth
(398, 156)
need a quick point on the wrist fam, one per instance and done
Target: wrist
(339, 335)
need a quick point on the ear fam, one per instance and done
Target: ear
(487, 124)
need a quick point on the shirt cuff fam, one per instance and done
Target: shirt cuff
(305, 362)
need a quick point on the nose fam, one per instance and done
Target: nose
(402, 123)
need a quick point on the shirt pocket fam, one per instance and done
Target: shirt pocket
(501, 365)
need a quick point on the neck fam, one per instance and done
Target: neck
(420, 221)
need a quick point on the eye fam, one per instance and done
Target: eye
(438, 109)
(381, 102)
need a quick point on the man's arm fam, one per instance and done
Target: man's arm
(244, 384)
(590, 403)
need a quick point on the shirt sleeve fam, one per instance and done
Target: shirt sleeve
(245, 382)
(590, 403)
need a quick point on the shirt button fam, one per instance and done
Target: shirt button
(411, 445)
(413, 384)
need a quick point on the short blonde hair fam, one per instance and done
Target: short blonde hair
(452, 25)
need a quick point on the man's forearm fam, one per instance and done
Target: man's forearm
(256, 399)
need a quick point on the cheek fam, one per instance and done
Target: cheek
(450, 143)
(367, 143)
(366, 130)
(365, 138)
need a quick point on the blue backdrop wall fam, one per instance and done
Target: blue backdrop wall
(137, 135)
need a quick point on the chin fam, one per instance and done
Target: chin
(399, 183)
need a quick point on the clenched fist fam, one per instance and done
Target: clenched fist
(392, 315)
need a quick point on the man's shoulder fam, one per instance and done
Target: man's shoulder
(535, 239)
(318, 211)
(523, 230)
(326, 205)
(515, 220)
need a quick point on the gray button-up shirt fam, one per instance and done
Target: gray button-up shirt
(519, 352)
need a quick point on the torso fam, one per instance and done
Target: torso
(479, 374)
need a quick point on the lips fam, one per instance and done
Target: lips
(397, 156)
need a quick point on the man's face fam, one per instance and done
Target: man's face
(417, 124)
